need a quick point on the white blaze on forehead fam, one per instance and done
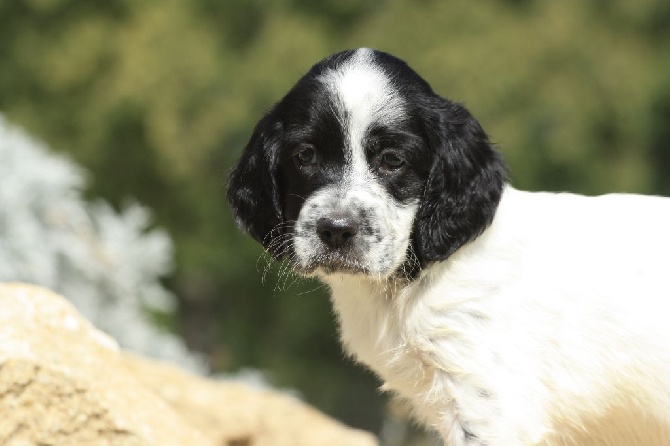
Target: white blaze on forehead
(363, 96)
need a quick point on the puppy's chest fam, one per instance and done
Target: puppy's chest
(441, 354)
(401, 343)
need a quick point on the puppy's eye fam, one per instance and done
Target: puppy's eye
(306, 155)
(391, 161)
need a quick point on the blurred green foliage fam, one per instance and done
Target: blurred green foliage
(158, 98)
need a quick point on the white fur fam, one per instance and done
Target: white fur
(551, 328)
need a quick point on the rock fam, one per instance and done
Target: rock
(63, 382)
(242, 415)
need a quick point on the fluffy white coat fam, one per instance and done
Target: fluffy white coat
(551, 328)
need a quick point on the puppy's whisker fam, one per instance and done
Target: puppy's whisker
(319, 286)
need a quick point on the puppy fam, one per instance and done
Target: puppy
(504, 317)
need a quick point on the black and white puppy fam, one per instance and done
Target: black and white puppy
(504, 317)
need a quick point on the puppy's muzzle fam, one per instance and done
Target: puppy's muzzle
(337, 232)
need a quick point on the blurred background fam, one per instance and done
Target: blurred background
(149, 103)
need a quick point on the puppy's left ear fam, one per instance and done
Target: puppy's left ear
(253, 190)
(464, 187)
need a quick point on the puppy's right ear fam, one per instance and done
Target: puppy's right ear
(253, 191)
(465, 185)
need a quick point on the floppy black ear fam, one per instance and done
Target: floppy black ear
(464, 187)
(253, 191)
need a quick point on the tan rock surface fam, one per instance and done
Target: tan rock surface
(243, 415)
(62, 382)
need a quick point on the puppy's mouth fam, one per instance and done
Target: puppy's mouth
(332, 263)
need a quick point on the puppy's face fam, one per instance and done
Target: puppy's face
(361, 168)
(352, 172)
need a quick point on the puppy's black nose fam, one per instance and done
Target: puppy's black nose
(336, 232)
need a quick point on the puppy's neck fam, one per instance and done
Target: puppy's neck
(368, 311)
(361, 286)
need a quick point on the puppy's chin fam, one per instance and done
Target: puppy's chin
(329, 265)
(339, 270)
(333, 264)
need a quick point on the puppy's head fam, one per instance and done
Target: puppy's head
(362, 168)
